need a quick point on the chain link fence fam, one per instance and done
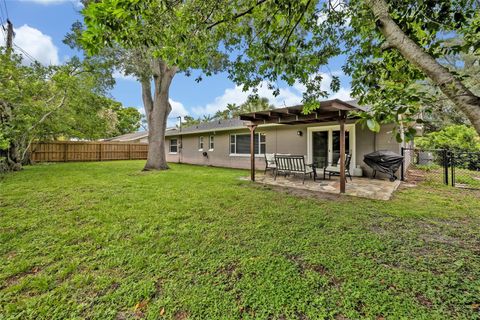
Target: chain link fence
(465, 169)
(460, 169)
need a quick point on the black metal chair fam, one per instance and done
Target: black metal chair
(335, 170)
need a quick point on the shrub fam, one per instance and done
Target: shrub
(455, 138)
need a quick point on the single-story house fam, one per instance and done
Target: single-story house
(135, 137)
(226, 143)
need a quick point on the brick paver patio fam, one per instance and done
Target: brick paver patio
(360, 187)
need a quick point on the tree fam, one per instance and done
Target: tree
(252, 104)
(39, 103)
(440, 112)
(190, 121)
(455, 137)
(160, 38)
(231, 111)
(128, 119)
(390, 47)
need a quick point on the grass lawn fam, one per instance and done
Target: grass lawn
(106, 241)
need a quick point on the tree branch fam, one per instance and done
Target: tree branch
(295, 26)
(238, 15)
(46, 115)
(451, 86)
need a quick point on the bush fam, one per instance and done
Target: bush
(455, 138)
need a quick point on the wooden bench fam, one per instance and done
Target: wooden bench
(293, 165)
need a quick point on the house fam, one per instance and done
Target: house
(135, 137)
(226, 143)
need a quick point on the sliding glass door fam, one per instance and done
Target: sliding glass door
(336, 145)
(324, 144)
(320, 148)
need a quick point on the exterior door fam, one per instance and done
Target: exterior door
(324, 145)
(336, 145)
(320, 148)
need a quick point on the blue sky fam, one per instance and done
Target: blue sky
(41, 25)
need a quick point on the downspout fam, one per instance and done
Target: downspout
(180, 150)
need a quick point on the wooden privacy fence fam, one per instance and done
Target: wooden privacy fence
(64, 151)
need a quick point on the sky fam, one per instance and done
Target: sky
(41, 25)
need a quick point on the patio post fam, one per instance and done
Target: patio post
(341, 120)
(252, 128)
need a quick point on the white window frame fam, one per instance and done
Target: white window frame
(348, 127)
(170, 146)
(200, 143)
(258, 134)
(211, 143)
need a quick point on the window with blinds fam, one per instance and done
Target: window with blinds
(240, 143)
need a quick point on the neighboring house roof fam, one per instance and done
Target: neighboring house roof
(129, 136)
(216, 125)
(354, 102)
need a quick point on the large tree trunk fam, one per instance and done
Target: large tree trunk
(157, 110)
(452, 87)
(13, 158)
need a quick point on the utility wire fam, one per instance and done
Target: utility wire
(25, 53)
(6, 10)
(3, 18)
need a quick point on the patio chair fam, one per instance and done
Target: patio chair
(270, 163)
(293, 165)
(335, 170)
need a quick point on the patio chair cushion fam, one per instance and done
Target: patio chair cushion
(270, 159)
(333, 168)
(308, 169)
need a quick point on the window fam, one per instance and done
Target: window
(240, 143)
(173, 145)
(200, 143)
(211, 143)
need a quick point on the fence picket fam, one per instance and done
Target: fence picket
(67, 151)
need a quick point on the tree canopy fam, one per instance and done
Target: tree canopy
(391, 48)
(55, 102)
(290, 40)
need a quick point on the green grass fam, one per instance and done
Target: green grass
(468, 178)
(106, 241)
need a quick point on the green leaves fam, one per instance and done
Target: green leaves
(55, 102)
(373, 125)
(455, 137)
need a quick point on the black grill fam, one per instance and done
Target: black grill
(384, 161)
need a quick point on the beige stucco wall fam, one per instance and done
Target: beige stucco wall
(279, 139)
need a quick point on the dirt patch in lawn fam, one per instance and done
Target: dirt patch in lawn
(304, 193)
(14, 279)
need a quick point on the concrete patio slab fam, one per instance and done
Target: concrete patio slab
(360, 187)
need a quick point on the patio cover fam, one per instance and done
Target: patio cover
(329, 110)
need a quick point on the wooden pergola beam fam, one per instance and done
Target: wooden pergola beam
(294, 118)
(252, 128)
(341, 119)
(332, 110)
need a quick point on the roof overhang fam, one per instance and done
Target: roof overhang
(328, 110)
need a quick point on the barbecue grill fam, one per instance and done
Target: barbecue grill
(384, 161)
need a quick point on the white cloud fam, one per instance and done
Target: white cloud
(119, 75)
(332, 5)
(38, 45)
(289, 96)
(76, 3)
(178, 109)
